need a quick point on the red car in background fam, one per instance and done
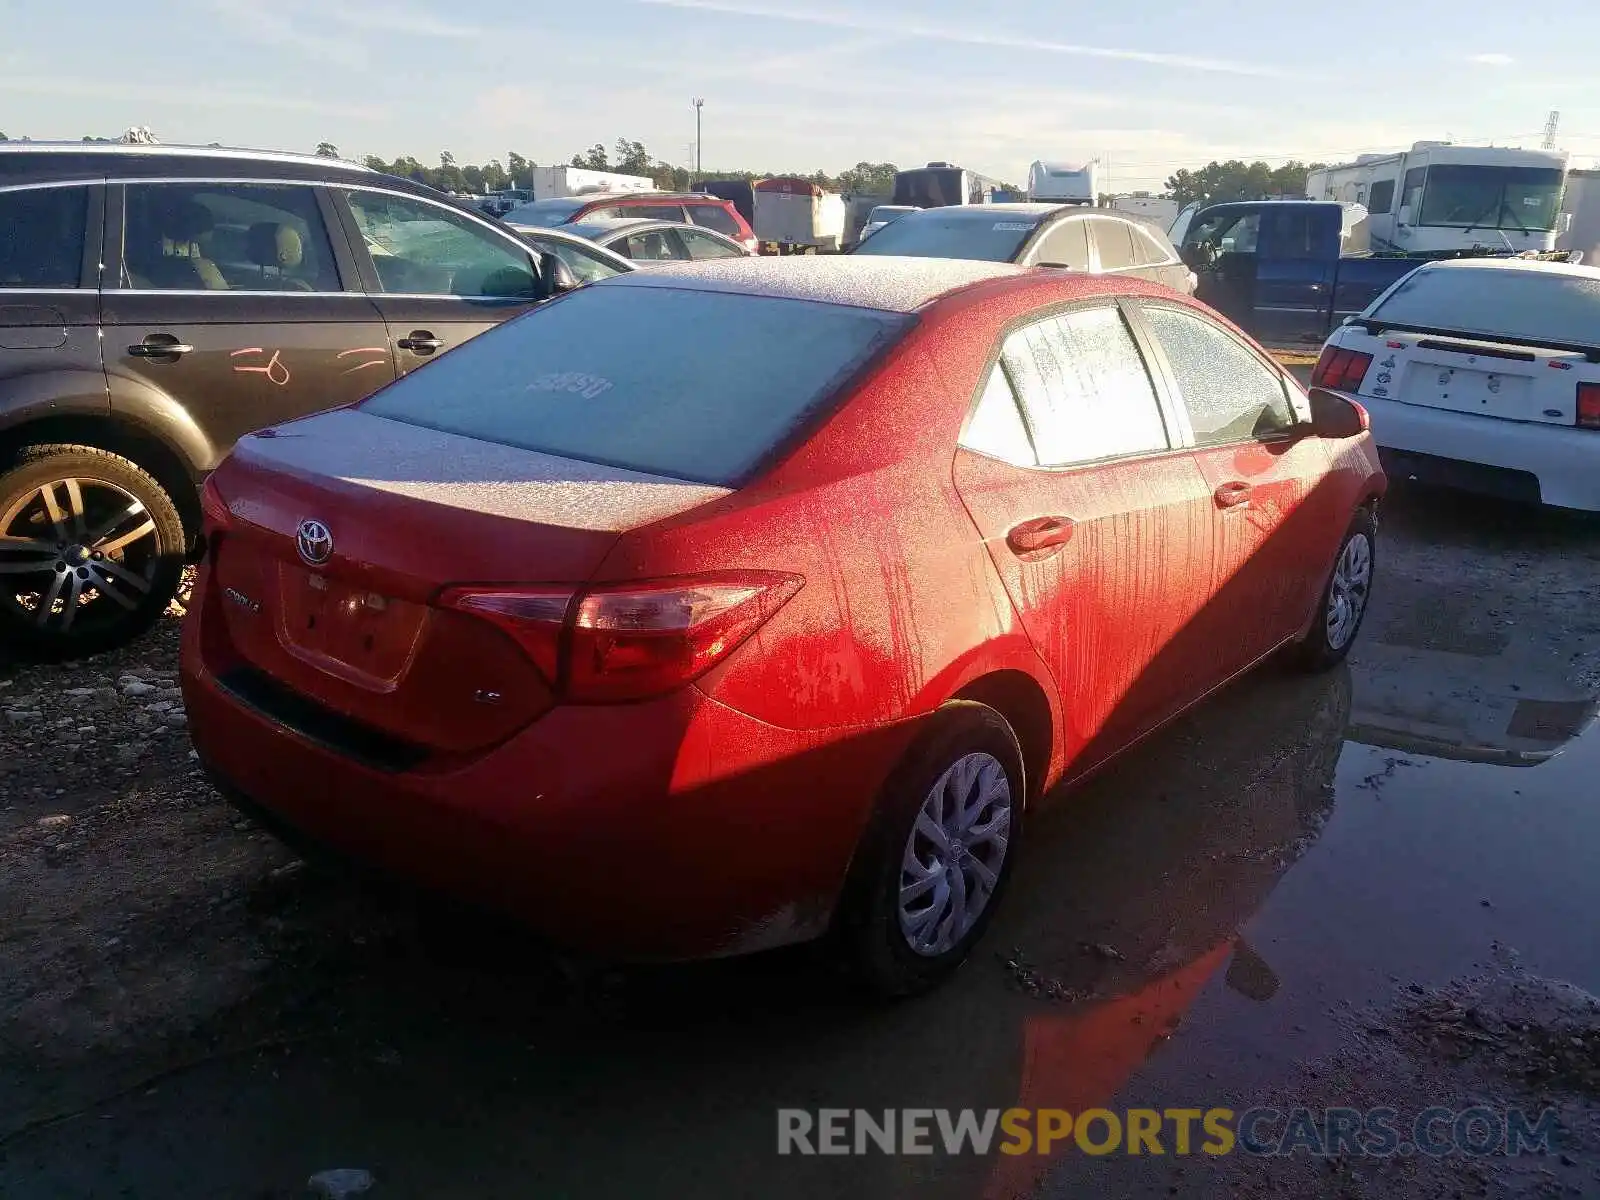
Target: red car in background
(684, 208)
(731, 604)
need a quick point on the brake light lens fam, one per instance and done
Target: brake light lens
(631, 641)
(1589, 405)
(1339, 369)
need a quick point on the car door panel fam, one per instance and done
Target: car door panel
(238, 358)
(1273, 503)
(1108, 561)
(437, 276)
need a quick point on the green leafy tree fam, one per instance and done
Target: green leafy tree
(1217, 182)
(595, 158)
(632, 158)
(519, 171)
(327, 150)
(494, 175)
(868, 179)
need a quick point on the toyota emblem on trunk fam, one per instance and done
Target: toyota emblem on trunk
(314, 542)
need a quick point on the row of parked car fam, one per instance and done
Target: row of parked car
(787, 588)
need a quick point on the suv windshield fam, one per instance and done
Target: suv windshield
(934, 234)
(696, 385)
(1519, 198)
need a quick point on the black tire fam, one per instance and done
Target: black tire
(1317, 652)
(868, 924)
(139, 577)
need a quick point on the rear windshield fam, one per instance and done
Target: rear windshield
(986, 239)
(1533, 306)
(696, 385)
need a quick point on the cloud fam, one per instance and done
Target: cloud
(343, 29)
(1491, 60)
(910, 28)
(188, 96)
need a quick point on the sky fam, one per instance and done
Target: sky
(1145, 86)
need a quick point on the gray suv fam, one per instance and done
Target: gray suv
(159, 302)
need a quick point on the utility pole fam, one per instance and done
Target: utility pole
(699, 103)
(1552, 123)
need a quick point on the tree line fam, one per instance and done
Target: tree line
(626, 157)
(1217, 182)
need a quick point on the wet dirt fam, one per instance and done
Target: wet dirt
(1371, 888)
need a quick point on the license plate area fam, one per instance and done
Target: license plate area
(1492, 393)
(359, 635)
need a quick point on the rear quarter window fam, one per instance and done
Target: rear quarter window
(42, 236)
(714, 216)
(696, 385)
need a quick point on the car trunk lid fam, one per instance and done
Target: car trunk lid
(1472, 375)
(343, 530)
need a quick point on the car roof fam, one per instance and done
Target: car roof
(988, 212)
(177, 150)
(886, 283)
(593, 226)
(1532, 265)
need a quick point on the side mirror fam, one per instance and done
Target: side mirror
(1336, 416)
(557, 278)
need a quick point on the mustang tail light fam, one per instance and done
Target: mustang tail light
(630, 641)
(1589, 405)
(1340, 370)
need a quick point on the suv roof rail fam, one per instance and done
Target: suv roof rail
(170, 148)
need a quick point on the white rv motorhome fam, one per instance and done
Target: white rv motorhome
(1439, 197)
(1062, 182)
(1159, 210)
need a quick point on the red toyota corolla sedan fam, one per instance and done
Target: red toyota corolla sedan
(725, 606)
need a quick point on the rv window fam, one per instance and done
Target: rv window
(1413, 190)
(1382, 198)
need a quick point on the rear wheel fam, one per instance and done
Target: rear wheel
(1344, 600)
(937, 859)
(91, 551)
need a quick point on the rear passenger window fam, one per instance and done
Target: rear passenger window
(1084, 388)
(652, 212)
(41, 237)
(714, 216)
(1229, 393)
(996, 427)
(1114, 241)
(1067, 245)
(226, 237)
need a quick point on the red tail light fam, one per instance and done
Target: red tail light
(1339, 369)
(1589, 405)
(631, 641)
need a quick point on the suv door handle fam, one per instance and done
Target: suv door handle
(1040, 536)
(1232, 494)
(160, 345)
(421, 341)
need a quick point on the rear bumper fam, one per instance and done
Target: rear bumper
(1439, 446)
(672, 829)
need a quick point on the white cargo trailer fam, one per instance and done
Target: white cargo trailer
(796, 214)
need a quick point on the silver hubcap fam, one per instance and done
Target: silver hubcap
(1352, 583)
(955, 853)
(73, 548)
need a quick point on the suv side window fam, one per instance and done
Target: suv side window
(714, 216)
(1084, 388)
(424, 249)
(653, 212)
(1067, 245)
(1148, 250)
(996, 427)
(651, 245)
(1230, 394)
(226, 237)
(1114, 242)
(42, 237)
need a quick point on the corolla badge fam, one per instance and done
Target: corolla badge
(314, 542)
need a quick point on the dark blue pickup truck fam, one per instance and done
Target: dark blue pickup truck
(1277, 267)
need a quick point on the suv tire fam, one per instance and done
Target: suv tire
(108, 543)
